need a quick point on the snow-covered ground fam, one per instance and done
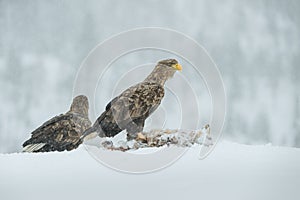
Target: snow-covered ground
(232, 171)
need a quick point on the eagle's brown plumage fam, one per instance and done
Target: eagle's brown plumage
(62, 132)
(131, 108)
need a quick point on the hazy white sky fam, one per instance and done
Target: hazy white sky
(254, 43)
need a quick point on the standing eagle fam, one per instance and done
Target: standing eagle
(130, 109)
(62, 132)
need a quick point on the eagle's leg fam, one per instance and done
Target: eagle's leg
(134, 130)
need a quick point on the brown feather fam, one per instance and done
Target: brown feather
(132, 107)
(62, 132)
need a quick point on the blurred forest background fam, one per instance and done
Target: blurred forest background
(255, 44)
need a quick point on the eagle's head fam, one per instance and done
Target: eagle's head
(80, 105)
(171, 63)
(164, 70)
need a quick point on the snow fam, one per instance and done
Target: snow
(232, 171)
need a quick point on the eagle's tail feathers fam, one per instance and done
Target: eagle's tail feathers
(33, 147)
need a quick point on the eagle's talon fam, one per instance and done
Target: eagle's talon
(141, 137)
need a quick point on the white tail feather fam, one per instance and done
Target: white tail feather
(33, 147)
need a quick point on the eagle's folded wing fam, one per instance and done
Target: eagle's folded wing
(137, 102)
(59, 133)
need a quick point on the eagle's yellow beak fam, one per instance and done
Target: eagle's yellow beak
(177, 67)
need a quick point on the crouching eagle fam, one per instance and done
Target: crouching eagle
(130, 109)
(62, 132)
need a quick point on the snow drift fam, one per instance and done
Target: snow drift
(232, 171)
